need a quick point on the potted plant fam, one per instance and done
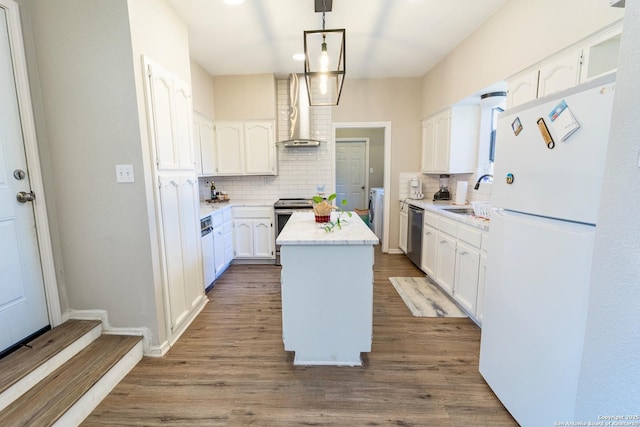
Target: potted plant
(322, 209)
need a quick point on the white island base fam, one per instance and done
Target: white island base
(327, 291)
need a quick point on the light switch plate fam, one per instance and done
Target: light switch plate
(124, 174)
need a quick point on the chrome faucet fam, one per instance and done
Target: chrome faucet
(477, 186)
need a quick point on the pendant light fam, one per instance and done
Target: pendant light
(324, 64)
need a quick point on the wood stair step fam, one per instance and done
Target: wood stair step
(23, 368)
(51, 398)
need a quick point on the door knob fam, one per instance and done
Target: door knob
(24, 197)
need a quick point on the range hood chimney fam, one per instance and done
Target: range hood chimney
(299, 115)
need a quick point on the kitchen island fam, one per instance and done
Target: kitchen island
(327, 290)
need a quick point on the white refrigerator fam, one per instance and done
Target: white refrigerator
(546, 192)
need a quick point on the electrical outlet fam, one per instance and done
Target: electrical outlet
(124, 174)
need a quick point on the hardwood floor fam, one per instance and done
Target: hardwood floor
(230, 368)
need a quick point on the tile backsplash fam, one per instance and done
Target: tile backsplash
(431, 184)
(300, 169)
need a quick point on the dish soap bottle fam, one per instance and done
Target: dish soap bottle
(214, 192)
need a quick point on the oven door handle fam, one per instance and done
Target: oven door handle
(285, 211)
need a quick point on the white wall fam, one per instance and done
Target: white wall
(90, 116)
(83, 56)
(202, 88)
(610, 374)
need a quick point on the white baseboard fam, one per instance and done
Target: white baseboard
(395, 251)
(107, 329)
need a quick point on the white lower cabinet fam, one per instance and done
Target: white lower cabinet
(227, 231)
(181, 251)
(219, 248)
(454, 256)
(467, 267)
(429, 244)
(253, 233)
(482, 275)
(445, 261)
(404, 222)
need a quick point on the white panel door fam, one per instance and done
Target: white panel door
(351, 174)
(263, 238)
(207, 146)
(560, 74)
(229, 148)
(173, 267)
(522, 88)
(161, 88)
(442, 142)
(466, 277)
(428, 144)
(191, 247)
(259, 148)
(183, 129)
(243, 238)
(429, 250)
(446, 261)
(23, 309)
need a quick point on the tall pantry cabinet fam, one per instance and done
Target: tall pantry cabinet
(176, 196)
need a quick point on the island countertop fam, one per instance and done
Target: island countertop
(301, 229)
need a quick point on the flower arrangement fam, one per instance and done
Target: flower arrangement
(322, 209)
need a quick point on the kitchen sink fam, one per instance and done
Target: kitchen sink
(459, 211)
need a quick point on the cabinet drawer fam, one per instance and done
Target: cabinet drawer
(471, 235)
(447, 226)
(216, 219)
(431, 219)
(253, 212)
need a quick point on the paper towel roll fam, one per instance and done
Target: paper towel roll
(461, 193)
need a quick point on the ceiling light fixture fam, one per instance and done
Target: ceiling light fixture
(324, 65)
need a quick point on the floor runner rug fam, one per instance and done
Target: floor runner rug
(424, 299)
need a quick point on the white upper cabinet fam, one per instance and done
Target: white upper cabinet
(204, 137)
(560, 73)
(260, 148)
(428, 144)
(600, 54)
(229, 148)
(449, 140)
(245, 148)
(523, 88)
(593, 57)
(170, 102)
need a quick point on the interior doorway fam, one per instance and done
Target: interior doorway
(352, 164)
(377, 171)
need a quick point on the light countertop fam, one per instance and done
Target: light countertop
(439, 208)
(301, 229)
(207, 209)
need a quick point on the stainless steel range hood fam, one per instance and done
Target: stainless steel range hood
(299, 115)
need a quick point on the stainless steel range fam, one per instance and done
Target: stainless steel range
(283, 209)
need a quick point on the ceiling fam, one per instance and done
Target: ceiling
(384, 38)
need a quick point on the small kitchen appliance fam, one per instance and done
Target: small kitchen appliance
(443, 193)
(415, 189)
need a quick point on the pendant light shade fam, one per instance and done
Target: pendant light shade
(324, 64)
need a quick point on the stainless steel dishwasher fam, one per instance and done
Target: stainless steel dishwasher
(414, 235)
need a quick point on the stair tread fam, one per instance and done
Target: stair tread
(54, 395)
(26, 359)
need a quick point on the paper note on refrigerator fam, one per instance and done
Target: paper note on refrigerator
(563, 122)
